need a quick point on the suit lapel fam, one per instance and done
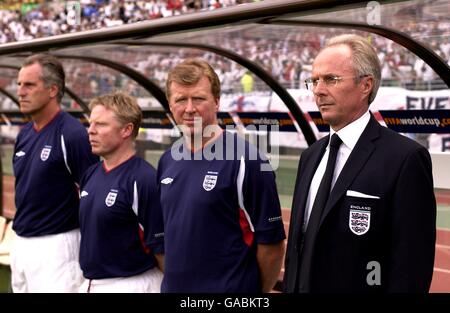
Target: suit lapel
(356, 161)
(303, 185)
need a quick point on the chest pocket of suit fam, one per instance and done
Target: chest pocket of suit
(361, 214)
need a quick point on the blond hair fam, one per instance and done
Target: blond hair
(123, 105)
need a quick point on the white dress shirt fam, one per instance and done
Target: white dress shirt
(349, 136)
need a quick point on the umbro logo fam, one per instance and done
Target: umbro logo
(167, 180)
(20, 153)
(83, 194)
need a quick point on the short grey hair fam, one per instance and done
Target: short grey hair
(365, 59)
(52, 71)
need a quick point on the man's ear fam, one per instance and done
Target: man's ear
(217, 104)
(367, 84)
(127, 130)
(54, 91)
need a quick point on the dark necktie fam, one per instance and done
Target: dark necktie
(309, 237)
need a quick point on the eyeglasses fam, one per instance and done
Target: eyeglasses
(328, 80)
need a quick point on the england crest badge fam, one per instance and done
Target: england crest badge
(210, 181)
(45, 153)
(359, 221)
(111, 198)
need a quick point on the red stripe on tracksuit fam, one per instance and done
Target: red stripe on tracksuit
(141, 237)
(245, 227)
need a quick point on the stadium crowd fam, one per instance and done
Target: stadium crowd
(57, 18)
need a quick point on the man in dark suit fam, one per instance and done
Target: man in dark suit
(375, 230)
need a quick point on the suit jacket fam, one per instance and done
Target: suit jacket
(383, 243)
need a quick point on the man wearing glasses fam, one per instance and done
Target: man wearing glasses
(364, 213)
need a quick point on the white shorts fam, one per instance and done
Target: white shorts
(46, 263)
(147, 282)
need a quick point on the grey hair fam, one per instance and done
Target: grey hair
(365, 59)
(52, 71)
